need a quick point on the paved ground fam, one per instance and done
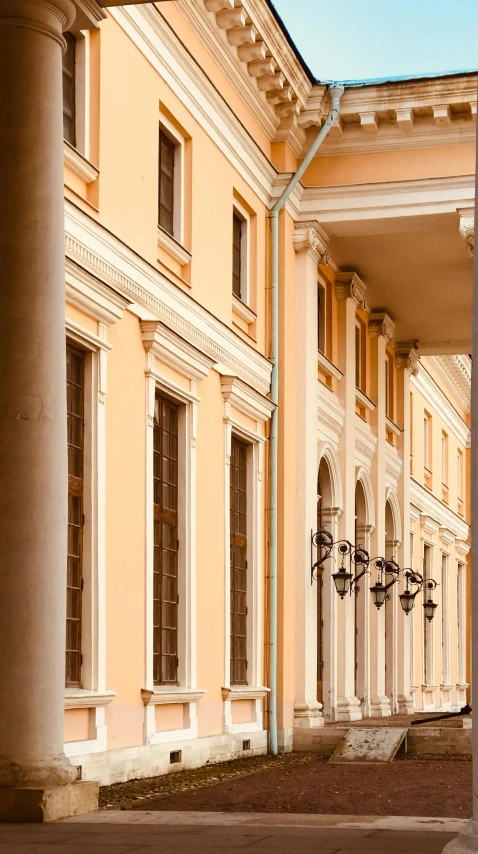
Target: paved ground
(123, 832)
(403, 720)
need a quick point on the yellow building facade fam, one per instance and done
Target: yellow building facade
(183, 124)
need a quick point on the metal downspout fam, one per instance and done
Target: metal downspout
(336, 92)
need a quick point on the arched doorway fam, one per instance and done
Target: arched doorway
(361, 601)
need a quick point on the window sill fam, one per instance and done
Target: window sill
(328, 367)
(171, 694)
(363, 400)
(173, 247)
(81, 698)
(462, 686)
(240, 308)
(79, 164)
(392, 427)
(244, 692)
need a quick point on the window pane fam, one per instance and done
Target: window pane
(236, 255)
(75, 439)
(69, 99)
(166, 182)
(238, 498)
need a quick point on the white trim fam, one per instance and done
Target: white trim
(328, 367)
(170, 695)
(244, 692)
(79, 698)
(364, 401)
(176, 250)
(101, 254)
(243, 310)
(246, 400)
(392, 427)
(455, 371)
(78, 164)
(174, 351)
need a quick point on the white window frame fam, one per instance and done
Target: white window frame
(245, 218)
(178, 140)
(77, 158)
(322, 318)
(461, 620)
(427, 627)
(106, 307)
(238, 396)
(164, 345)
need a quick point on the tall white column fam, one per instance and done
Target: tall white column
(381, 329)
(350, 292)
(310, 246)
(406, 362)
(33, 449)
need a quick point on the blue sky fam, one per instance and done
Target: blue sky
(361, 39)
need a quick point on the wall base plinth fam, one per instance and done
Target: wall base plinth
(406, 705)
(380, 707)
(39, 805)
(465, 842)
(349, 709)
(308, 715)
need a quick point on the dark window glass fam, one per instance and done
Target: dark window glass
(166, 182)
(238, 492)
(236, 255)
(69, 99)
(320, 603)
(74, 584)
(165, 570)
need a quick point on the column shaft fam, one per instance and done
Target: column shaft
(33, 452)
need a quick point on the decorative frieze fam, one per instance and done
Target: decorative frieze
(309, 235)
(382, 325)
(350, 286)
(467, 227)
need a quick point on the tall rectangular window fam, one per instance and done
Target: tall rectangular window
(321, 318)
(236, 255)
(238, 509)
(389, 390)
(359, 360)
(166, 545)
(461, 623)
(75, 371)
(427, 442)
(459, 480)
(444, 463)
(69, 89)
(427, 627)
(166, 182)
(320, 605)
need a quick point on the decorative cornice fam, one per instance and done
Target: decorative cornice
(382, 325)
(407, 359)
(245, 399)
(310, 236)
(441, 403)
(90, 295)
(467, 227)
(350, 286)
(170, 348)
(455, 371)
(423, 501)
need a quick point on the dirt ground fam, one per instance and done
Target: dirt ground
(306, 783)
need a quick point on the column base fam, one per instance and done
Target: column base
(465, 842)
(406, 705)
(380, 707)
(28, 804)
(308, 715)
(349, 709)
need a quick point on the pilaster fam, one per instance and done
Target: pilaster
(381, 331)
(350, 293)
(310, 245)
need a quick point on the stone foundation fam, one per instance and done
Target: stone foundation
(39, 805)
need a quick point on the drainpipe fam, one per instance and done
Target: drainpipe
(336, 92)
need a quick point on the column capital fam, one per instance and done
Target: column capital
(467, 227)
(309, 236)
(407, 359)
(350, 286)
(382, 325)
(50, 17)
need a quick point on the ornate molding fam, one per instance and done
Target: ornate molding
(350, 286)
(309, 235)
(407, 359)
(382, 325)
(467, 227)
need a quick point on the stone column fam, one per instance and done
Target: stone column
(406, 361)
(350, 292)
(310, 246)
(381, 330)
(33, 452)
